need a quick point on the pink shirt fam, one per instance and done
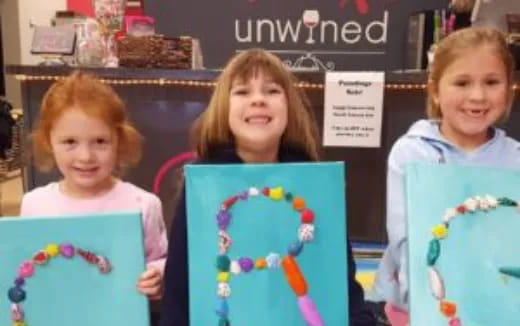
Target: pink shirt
(49, 200)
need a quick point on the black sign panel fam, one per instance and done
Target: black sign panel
(315, 34)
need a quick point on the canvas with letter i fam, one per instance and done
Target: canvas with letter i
(78, 270)
(267, 244)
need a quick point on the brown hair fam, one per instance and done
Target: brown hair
(456, 45)
(211, 130)
(83, 91)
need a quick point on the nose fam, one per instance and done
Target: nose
(258, 98)
(85, 153)
(478, 93)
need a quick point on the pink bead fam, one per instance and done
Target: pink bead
(309, 312)
(26, 269)
(454, 322)
(104, 265)
(16, 312)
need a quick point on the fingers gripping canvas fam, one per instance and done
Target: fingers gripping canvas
(267, 244)
(75, 270)
(464, 267)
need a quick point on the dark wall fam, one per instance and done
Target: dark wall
(224, 27)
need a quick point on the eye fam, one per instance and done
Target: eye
(69, 141)
(274, 90)
(461, 83)
(101, 141)
(239, 91)
(492, 82)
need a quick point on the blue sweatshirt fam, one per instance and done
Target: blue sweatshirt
(424, 143)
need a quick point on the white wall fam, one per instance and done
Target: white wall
(17, 16)
(37, 12)
(11, 47)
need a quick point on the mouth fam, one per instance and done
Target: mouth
(476, 113)
(258, 120)
(85, 170)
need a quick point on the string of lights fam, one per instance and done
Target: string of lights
(210, 84)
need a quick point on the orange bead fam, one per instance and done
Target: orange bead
(298, 203)
(448, 309)
(294, 276)
(260, 263)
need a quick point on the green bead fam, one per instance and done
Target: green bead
(223, 263)
(504, 201)
(288, 196)
(434, 251)
(224, 322)
(510, 271)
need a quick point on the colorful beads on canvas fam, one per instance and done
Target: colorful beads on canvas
(17, 294)
(440, 232)
(227, 267)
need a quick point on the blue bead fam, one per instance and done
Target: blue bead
(16, 295)
(222, 308)
(295, 249)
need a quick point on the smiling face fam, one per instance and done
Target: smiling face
(257, 113)
(85, 151)
(472, 95)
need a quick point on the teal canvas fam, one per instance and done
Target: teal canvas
(476, 246)
(72, 291)
(260, 226)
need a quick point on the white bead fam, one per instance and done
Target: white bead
(223, 290)
(436, 283)
(449, 215)
(471, 204)
(235, 267)
(492, 201)
(253, 191)
(483, 203)
(273, 260)
(224, 242)
(306, 232)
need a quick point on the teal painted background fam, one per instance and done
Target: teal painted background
(477, 244)
(73, 292)
(260, 226)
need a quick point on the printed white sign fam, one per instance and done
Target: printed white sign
(353, 109)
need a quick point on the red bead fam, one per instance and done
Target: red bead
(461, 209)
(41, 257)
(229, 202)
(265, 191)
(88, 256)
(307, 216)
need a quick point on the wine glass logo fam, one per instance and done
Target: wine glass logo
(311, 18)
